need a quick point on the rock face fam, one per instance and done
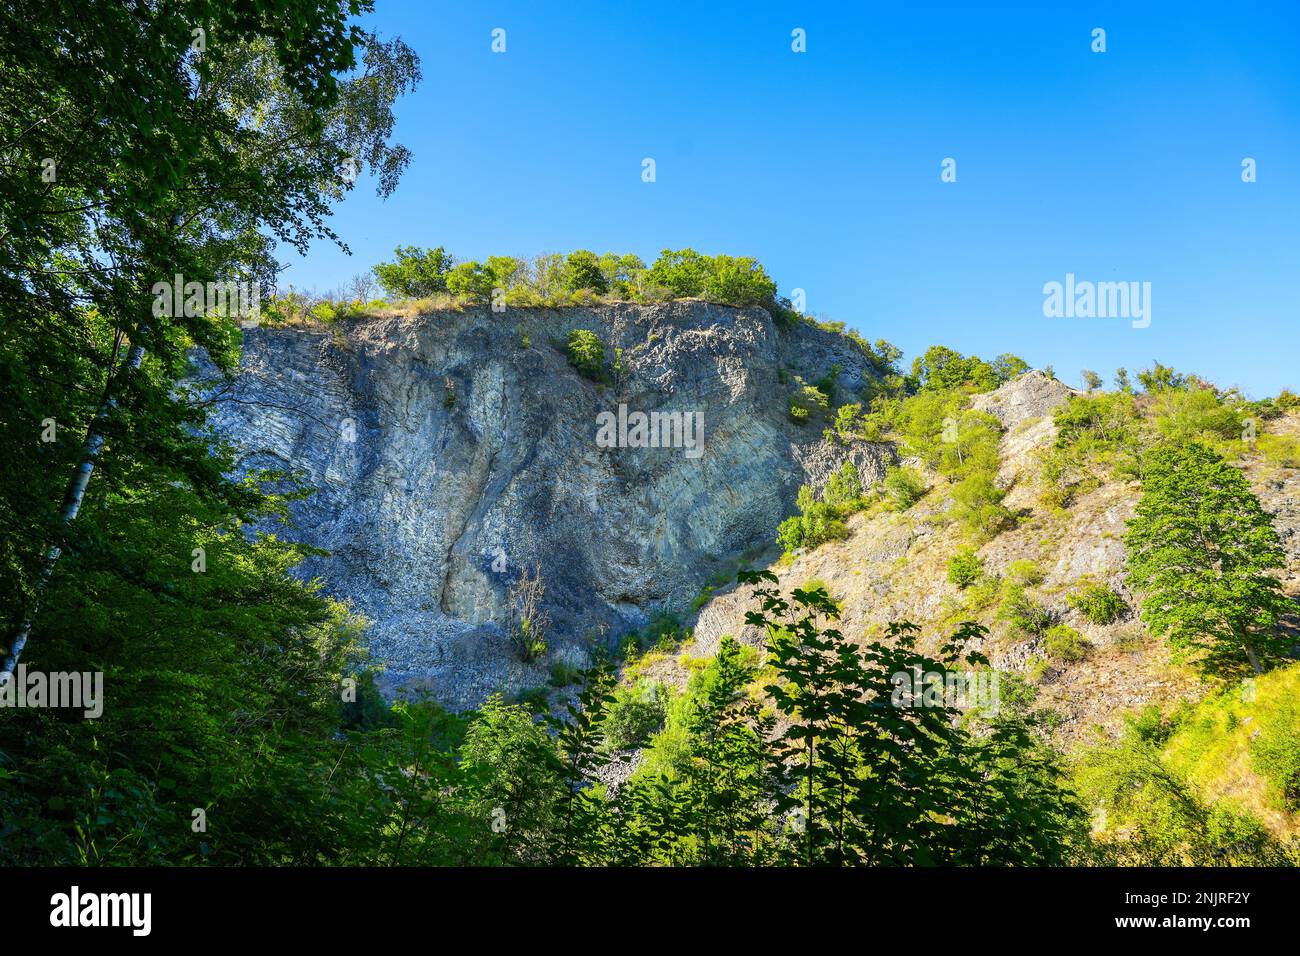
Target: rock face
(451, 450)
(1032, 395)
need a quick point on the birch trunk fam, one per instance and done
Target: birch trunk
(72, 499)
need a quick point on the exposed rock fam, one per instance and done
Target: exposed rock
(1032, 395)
(453, 449)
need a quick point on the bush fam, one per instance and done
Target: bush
(1022, 612)
(635, 713)
(1097, 603)
(807, 401)
(587, 354)
(904, 487)
(1064, 643)
(964, 568)
(844, 489)
(816, 523)
(1283, 450)
(1025, 572)
(977, 505)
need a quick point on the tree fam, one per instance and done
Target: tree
(580, 806)
(943, 368)
(1007, 366)
(415, 273)
(130, 541)
(530, 622)
(1160, 377)
(1204, 552)
(738, 281)
(202, 156)
(1091, 380)
(582, 271)
(728, 776)
(683, 273)
(870, 774)
(473, 281)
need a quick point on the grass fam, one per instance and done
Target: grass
(1212, 745)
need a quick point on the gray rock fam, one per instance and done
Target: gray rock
(447, 456)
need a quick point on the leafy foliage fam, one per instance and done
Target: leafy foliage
(1204, 552)
(587, 354)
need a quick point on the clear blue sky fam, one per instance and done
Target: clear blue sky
(825, 165)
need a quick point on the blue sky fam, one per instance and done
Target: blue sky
(1123, 165)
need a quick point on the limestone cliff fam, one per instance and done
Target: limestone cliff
(452, 449)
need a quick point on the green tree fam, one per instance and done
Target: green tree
(582, 271)
(728, 775)
(414, 272)
(872, 774)
(738, 281)
(1205, 553)
(683, 273)
(131, 542)
(472, 280)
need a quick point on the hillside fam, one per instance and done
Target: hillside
(893, 567)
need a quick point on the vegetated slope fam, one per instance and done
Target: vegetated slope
(893, 566)
(453, 450)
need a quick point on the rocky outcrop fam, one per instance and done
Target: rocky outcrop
(451, 450)
(1032, 395)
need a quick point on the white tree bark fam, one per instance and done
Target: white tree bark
(72, 499)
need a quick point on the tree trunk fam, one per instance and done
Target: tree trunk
(1254, 661)
(72, 499)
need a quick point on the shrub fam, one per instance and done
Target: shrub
(807, 401)
(1097, 603)
(977, 505)
(1022, 612)
(1025, 572)
(844, 489)
(587, 354)
(816, 523)
(964, 568)
(904, 487)
(1064, 643)
(530, 621)
(1283, 450)
(635, 713)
